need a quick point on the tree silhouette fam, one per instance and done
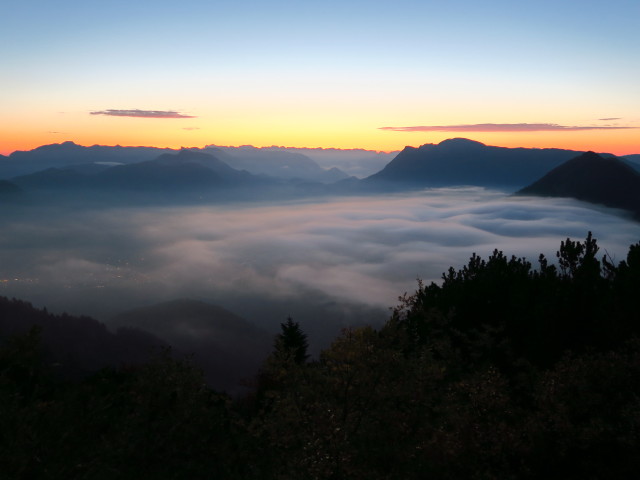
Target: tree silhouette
(292, 342)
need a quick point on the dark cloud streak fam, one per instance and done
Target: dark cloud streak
(142, 113)
(500, 127)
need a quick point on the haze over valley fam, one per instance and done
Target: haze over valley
(102, 230)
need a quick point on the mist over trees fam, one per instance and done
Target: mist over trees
(500, 370)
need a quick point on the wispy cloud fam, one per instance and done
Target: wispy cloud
(607, 119)
(142, 113)
(191, 128)
(501, 127)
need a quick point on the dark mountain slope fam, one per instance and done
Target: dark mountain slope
(460, 161)
(52, 178)
(185, 170)
(633, 161)
(186, 176)
(211, 161)
(77, 345)
(226, 346)
(8, 188)
(592, 178)
(356, 162)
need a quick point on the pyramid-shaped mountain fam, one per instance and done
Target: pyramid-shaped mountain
(460, 161)
(186, 169)
(592, 178)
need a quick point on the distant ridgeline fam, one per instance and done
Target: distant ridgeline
(151, 175)
(499, 371)
(92, 160)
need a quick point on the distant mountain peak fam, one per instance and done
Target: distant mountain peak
(59, 146)
(460, 143)
(189, 153)
(590, 155)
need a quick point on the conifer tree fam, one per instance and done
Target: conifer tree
(292, 342)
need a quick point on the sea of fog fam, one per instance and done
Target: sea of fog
(334, 260)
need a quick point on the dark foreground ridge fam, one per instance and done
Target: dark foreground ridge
(499, 371)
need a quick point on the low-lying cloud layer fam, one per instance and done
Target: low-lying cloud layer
(354, 250)
(142, 113)
(502, 127)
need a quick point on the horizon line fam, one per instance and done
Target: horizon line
(213, 145)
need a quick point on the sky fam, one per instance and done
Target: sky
(345, 74)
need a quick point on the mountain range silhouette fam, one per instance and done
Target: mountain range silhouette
(460, 161)
(152, 175)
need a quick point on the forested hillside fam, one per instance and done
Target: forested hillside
(501, 370)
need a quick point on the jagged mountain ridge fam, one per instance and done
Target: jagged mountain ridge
(205, 174)
(280, 164)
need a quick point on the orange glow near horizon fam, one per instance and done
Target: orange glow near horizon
(155, 134)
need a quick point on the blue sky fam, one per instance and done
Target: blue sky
(316, 74)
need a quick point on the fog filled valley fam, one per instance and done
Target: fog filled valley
(111, 231)
(363, 250)
(340, 240)
(179, 249)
